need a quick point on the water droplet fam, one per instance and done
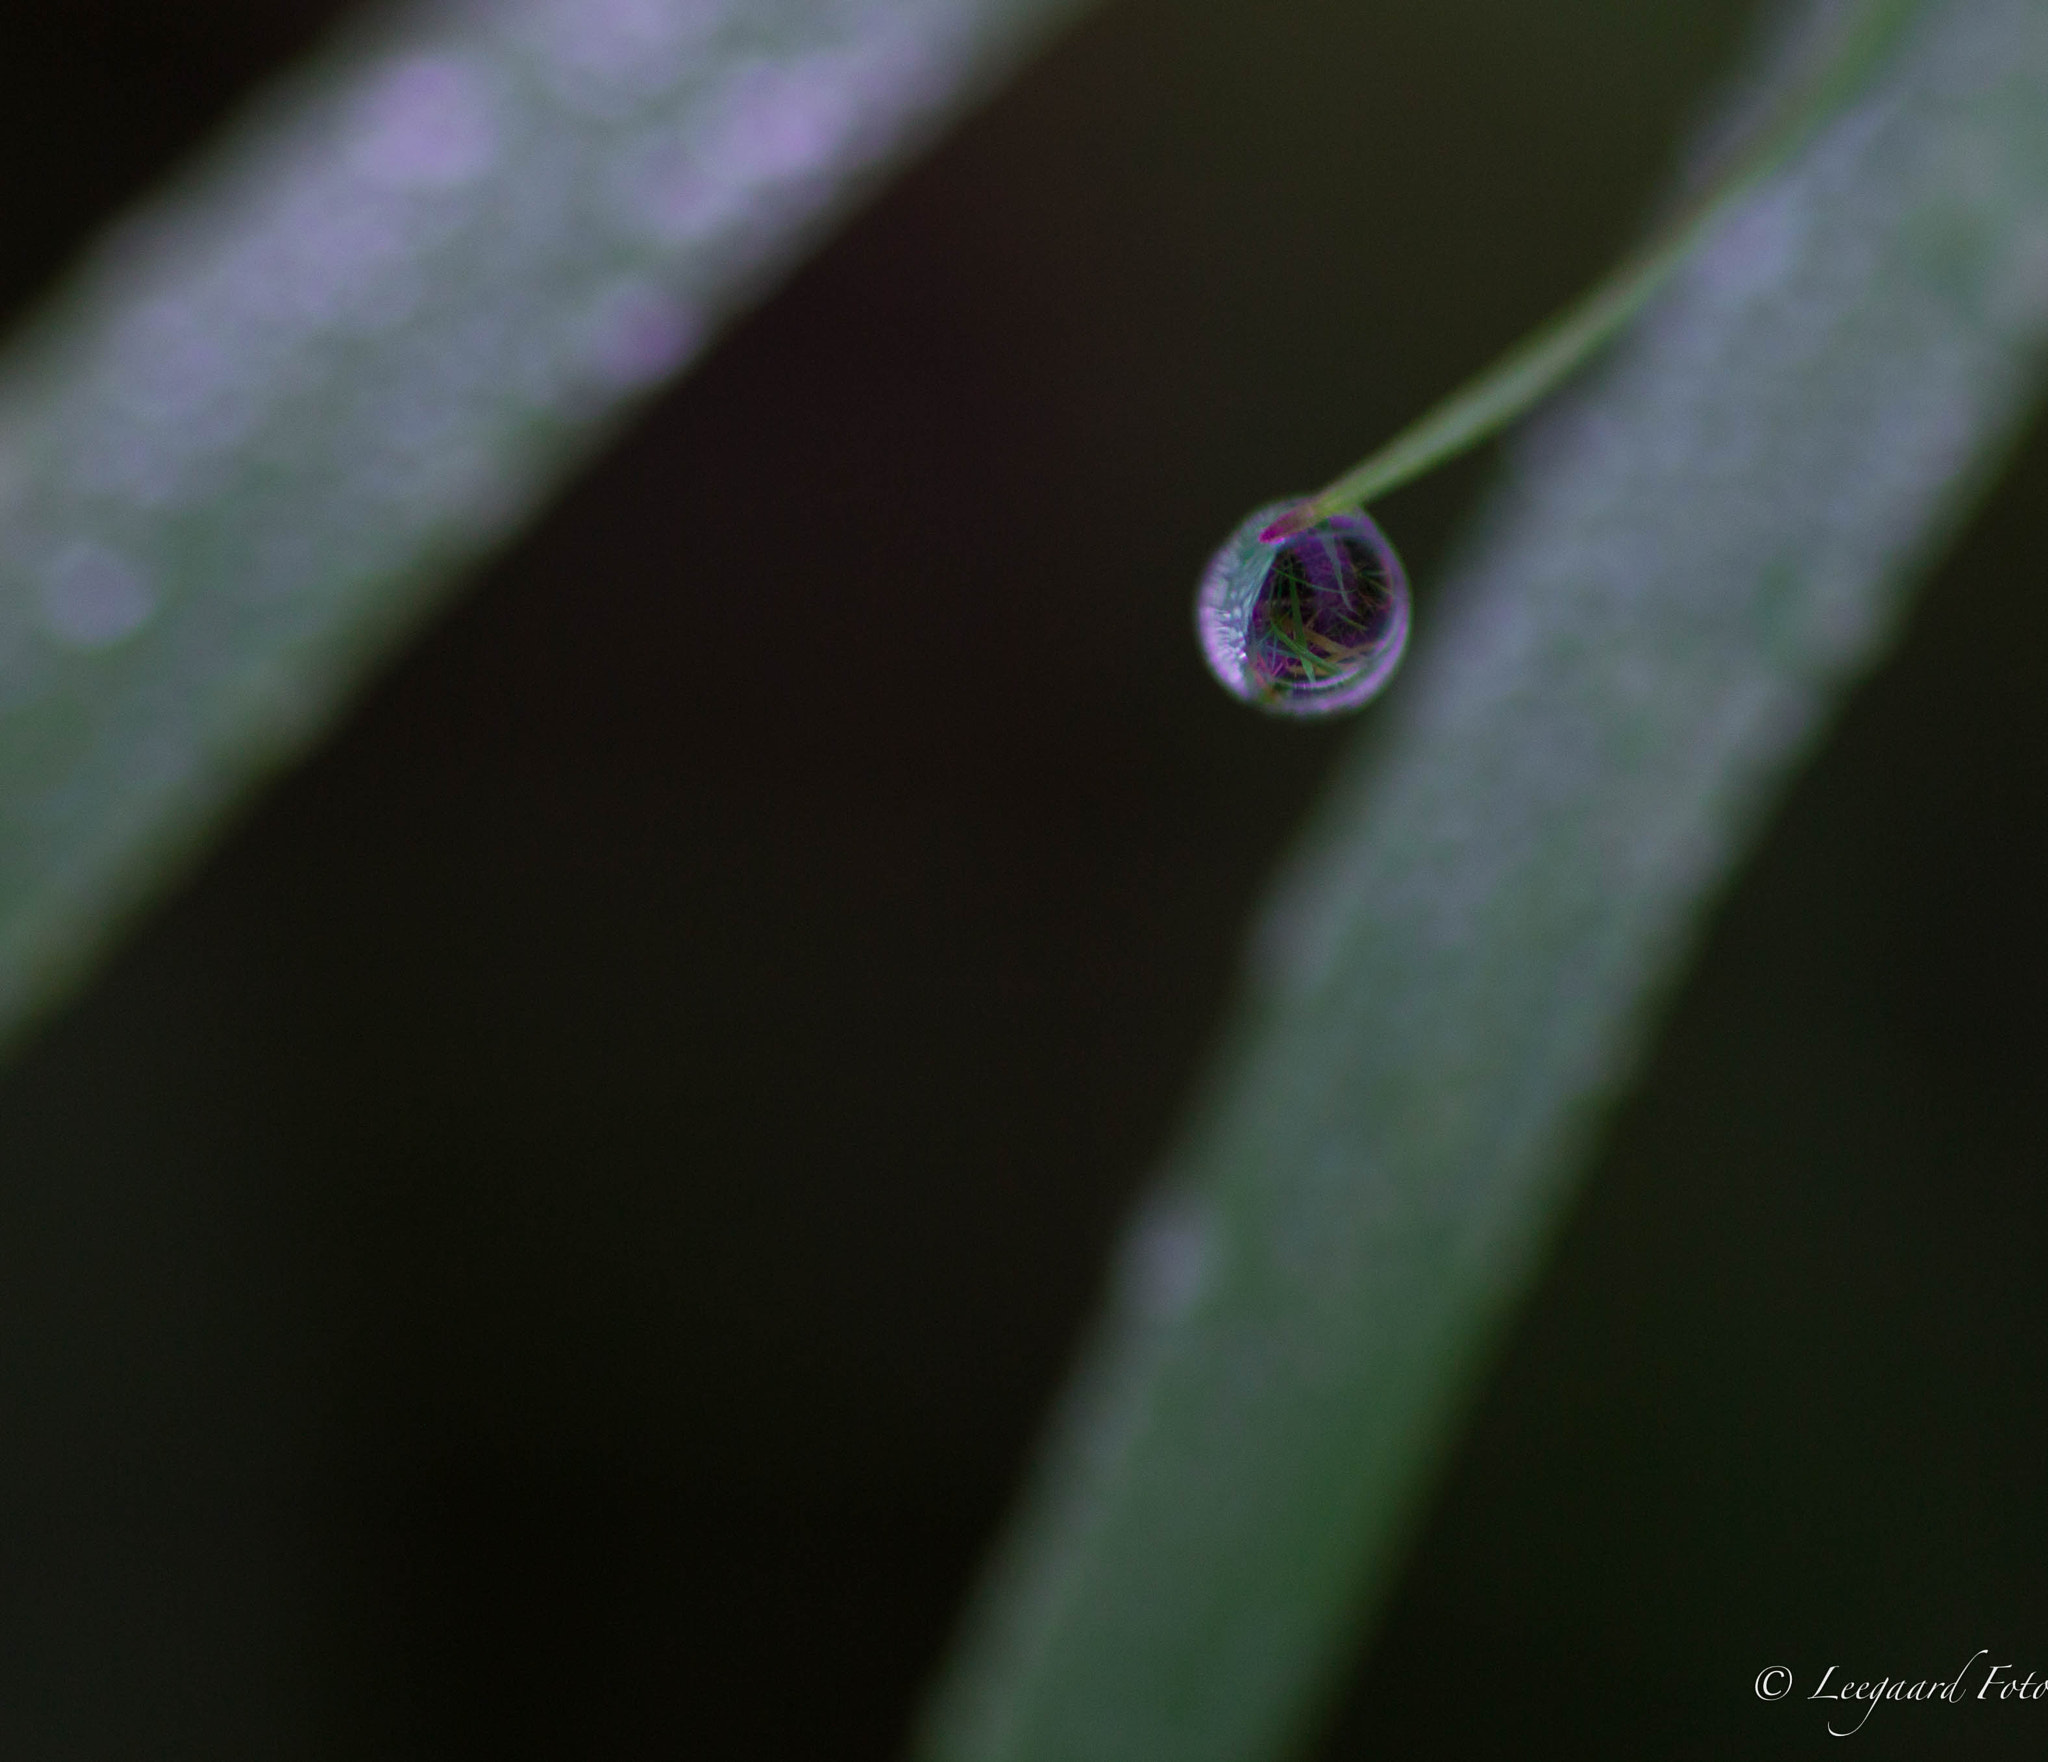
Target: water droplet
(93, 597)
(1305, 624)
(430, 124)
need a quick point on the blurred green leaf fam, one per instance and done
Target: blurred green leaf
(261, 434)
(1690, 562)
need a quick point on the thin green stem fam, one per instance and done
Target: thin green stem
(1538, 364)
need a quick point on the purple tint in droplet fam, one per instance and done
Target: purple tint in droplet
(1307, 624)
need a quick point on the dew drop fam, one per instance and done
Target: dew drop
(93, 598)
(1304, 623)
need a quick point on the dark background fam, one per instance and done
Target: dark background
(556, 1242)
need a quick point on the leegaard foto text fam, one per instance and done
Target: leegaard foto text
(1991, 1682)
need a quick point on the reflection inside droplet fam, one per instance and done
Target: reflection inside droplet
(1306, 624)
